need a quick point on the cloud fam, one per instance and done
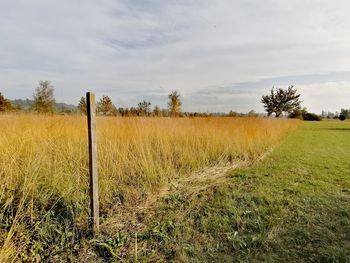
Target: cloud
(211, 51)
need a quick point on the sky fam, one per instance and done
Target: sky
(220, 55)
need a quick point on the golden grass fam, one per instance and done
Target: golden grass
(45, 158)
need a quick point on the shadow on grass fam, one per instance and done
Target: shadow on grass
(336, 129)
(320, 129)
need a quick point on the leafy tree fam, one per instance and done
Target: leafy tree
(174, 104)
(82, 105)
(232, 114)
(44, 101)
(124, 112)
(5, 104)
(281, 100)
(105, 106)
(134, 111)
(144, 108)
(345, 113)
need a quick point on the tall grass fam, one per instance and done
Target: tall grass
(44, 168)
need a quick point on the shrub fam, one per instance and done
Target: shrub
(304, 115)
(311, 117)
(342, 117)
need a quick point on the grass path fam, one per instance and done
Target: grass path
(294, 206)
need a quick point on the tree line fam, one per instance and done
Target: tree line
(106, 107)
(43, 100)
(44, 103)
(279, 102)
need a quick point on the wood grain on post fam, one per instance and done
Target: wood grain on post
(94, 203)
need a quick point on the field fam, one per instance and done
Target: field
(44, 177)
(293, 206)
(176, 189)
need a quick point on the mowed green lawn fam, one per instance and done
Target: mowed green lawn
(293, 206)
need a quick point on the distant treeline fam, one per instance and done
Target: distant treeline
(280, 102)
(43, 101)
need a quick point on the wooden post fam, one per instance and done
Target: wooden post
(94, 204)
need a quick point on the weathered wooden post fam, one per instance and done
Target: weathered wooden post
(94, 204)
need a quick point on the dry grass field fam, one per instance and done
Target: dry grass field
(44, 169)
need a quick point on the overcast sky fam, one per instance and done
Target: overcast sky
(220, 55)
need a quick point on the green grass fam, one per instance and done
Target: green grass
(293, 206)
